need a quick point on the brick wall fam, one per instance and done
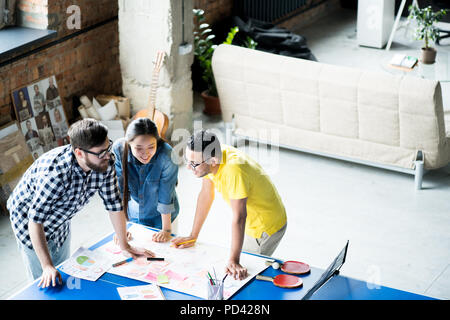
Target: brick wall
(319, 9)
(215, 10)
(52, 14)
(218, 10)
(92, 12)
(88, 62)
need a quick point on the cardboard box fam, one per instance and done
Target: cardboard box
(122, 104)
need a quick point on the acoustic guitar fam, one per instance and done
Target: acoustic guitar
(160, 119)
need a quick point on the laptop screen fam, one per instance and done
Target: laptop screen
(331, 270)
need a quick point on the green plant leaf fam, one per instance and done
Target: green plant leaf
(198, 12)
(425, 19)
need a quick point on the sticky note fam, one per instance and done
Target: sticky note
(162, 278)
(175, 276)
(151, 276)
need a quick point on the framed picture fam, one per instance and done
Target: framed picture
(60, 127)
(22, 104)
(37, 97)
(42, 118)
(30, 132)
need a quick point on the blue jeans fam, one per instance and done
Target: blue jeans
(32, 264)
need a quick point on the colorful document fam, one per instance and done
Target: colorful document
(147, 292)
(86, 264)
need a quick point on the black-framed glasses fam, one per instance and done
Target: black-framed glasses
(102, 153)
(192, 164)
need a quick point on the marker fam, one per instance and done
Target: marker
(122, 262)
(189, 241)
(155, 259)
(211, 279)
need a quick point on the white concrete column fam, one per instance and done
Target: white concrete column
(146, 26)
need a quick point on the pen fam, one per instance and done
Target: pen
(155, 259)
(210, 279)
(122, 262)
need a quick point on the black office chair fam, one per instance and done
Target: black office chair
(441, 4)
(442, 35)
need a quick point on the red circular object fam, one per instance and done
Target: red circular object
(295, 267)
(287, 281)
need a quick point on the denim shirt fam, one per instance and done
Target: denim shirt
(151, 186)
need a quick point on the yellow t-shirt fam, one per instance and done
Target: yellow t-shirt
(240, 177)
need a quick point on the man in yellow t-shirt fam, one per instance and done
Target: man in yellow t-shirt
(259, 217)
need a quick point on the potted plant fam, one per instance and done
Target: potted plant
(426, 30)
(203, 51)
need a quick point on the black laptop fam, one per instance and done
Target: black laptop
(331, 271)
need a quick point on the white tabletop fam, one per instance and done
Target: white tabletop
(439, 70)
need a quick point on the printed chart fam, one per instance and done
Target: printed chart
(86, 264)
(183, 270)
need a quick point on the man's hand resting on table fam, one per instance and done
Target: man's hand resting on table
(49, 276)
(235, 270)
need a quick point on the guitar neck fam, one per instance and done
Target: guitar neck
(152, 97)
(154, 85)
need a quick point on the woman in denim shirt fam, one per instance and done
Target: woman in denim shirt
(151, 175)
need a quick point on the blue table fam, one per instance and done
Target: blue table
(105, 288)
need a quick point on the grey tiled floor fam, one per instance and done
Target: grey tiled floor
(399, 237)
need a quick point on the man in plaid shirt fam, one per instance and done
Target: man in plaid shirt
(55, 188)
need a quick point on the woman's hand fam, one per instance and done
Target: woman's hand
(162, 236)
(183, 242)
(116, 240)
(135, 252)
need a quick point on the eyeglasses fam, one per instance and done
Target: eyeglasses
(192, 164)
(102, 153)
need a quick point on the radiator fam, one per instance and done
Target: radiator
(268, 10)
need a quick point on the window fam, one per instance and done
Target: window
(17, 39)
(7, 10)
(14, 40)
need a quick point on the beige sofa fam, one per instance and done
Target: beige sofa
(375, 118)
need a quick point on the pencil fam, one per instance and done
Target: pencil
(155, 259)
(188, 241)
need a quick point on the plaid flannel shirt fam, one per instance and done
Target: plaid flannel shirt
(53, 190)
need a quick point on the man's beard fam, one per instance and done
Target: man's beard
(102, 167)
(204, 173)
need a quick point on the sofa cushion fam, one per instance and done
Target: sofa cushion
(378, 112)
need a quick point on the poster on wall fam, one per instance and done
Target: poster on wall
(43, 121)
(15, 158)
